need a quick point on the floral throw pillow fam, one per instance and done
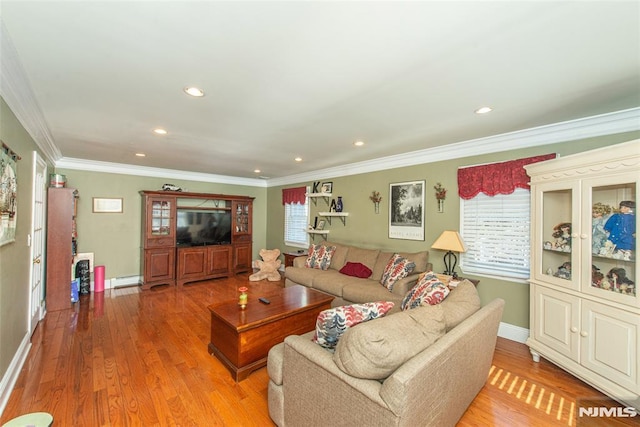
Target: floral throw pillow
(397, 268)
(429, 290)
(319, 256)
(333, 323)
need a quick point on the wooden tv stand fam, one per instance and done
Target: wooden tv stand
(164, 262)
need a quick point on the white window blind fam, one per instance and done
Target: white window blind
(496, 232)
(296, 221)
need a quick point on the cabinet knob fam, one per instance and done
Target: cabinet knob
(583, 236)
(574, 329)
(574, 235)
(584, 334)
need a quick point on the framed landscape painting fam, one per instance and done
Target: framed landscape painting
(406, 210)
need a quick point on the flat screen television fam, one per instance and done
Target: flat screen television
(201, 227)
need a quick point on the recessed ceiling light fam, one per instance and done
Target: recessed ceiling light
(194, 91)
(298, 159)
(484, 110)
(358, 143)
(257, 170)
(160, 131)
(141, 155)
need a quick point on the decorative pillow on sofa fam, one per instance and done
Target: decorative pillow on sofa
(374, 350)
(397, 268)
(428, 290)
(462, 302)
(332, 323)
(356, 269)
(319, 256)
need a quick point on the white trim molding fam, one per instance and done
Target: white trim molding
(513, 333)
(13, 371)
(16, 92)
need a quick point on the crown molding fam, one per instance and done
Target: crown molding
(124, 169)
(16, 92)
(572, 130)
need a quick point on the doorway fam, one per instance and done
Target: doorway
(37, 242)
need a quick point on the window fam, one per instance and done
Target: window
(496, 232)
(296, 221)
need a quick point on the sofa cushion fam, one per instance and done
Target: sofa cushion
(339, 256)
(332, 323)
(356, 269)
(303, 276)
(428, 290)
(319, 256)
(374, 350)
(366, 290)
(397, 268)
(420, 259)
(332, 282)
(365, 256)
(462, 302)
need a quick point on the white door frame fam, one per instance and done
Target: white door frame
(36, 240)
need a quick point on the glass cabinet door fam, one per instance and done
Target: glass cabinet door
(610, 250)
(241, 212)
(160, 217)
(557, 234)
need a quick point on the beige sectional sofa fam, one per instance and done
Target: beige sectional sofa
(384, 372)
(348, 289)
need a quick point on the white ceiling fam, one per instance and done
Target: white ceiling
(294, 78)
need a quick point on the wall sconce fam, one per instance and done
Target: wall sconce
(376, 198)
(441, 194)
(451, 242)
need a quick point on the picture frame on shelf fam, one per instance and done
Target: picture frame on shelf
(326, 187)
(406, 210)
(320, 225)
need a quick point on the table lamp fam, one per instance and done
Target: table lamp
(451, 242)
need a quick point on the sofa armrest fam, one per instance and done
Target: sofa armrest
(402, 286)
(456, 366)
(315, 388)
(299, 261)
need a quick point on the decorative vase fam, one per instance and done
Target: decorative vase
(339, 205)
(440, 205)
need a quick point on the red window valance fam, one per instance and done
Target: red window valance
(496, 178)
(294, 195)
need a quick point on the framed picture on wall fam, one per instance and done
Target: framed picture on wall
(406, 210)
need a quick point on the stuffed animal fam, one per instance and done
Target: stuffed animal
(268, 266)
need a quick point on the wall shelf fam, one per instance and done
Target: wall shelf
(341, 215)
(313, 233)
(315, 196)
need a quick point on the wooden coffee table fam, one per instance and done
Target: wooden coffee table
(241, 339)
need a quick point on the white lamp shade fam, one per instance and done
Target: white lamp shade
(450, 240)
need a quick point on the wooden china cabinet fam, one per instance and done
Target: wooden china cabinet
(188, 237)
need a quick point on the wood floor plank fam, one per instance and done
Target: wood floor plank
(126, 357)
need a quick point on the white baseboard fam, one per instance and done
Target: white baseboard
(118, 282)
(513, 333)
(11, 376)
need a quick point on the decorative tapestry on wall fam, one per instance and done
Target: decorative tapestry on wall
(8, 195)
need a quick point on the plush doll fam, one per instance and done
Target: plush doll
(562, 234)
(619, 281)
(596, 277)
(564, 271)
(268, 266)
(600, 214)
(622, 229)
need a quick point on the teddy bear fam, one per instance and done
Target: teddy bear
(268, 266)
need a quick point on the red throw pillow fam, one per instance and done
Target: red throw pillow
(356, 269)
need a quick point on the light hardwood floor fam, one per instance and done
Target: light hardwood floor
(125, 357)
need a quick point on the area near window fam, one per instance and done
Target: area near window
(296, 216)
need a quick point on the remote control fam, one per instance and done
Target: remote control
(264, 300)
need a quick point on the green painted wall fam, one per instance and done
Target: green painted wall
(114, 238)
(15, 258)
(367, 229)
